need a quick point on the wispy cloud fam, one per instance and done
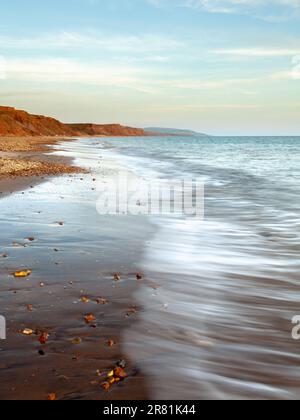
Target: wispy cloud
(263, 9)
(150, 81)
(71, 71)
(259, 52)
(73, 40)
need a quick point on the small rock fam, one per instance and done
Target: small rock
(122, 364)
(51, 397)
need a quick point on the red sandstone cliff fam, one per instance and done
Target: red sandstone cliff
(20, 123)
(16, 123)
(107, 130)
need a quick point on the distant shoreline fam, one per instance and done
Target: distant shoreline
(20, 123)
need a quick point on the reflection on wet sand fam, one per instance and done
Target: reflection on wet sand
(64, 308)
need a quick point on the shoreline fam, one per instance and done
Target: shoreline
(76, 262)
(26, 162)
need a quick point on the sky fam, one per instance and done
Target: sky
(223, 67)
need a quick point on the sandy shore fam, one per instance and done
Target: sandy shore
(27, 144)
(52, 229)
(24, 162)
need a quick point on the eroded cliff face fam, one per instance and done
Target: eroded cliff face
(107, 130)
(22, 124)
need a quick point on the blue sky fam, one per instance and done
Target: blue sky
(218, 66)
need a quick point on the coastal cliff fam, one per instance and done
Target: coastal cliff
(15, 123)
(106, 130)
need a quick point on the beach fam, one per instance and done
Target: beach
(149, 203)
(25, 161)
(186, 308)
(79, 292)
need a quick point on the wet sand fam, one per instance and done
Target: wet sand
(25, 162)
(73, 254)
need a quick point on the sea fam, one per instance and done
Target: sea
(222, 291)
